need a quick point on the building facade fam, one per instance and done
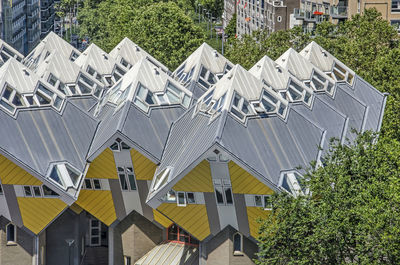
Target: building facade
(111, 158)
(272, 15)
(19, 25)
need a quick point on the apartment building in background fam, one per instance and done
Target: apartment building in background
(19, 25)
(273, 15)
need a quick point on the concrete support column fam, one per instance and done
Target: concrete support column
(111, 245)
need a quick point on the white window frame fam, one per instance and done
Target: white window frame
(126, 172)
(223, 184)
(91, 236)
(181, 193)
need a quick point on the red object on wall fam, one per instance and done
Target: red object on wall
(318, 13)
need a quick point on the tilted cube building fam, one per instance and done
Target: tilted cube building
(115, 159)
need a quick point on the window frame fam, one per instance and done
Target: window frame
(240, 251)
(14, 241)
(223, 185)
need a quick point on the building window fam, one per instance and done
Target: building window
(279, 19)
(237, 244)
(223, 191)
(126, 178)
(92, 184)
(1, 189)
(181, 199)
(37, 191)
(178, 235)
(119, 145)
(11, 231)
(127, 260)
(264, 201)
(27, 191)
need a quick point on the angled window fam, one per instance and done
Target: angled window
(161, 178)
(88, 184)
(37, 191)
(127, 178)
(240, 107)
(237, 244)
(47, 192)
(181, 199)
(11, 232)
(144, 98)
(190, 197)
(1, 190)
(96, 184)
(65, 175)
(291, 183)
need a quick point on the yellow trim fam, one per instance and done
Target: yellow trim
(193, 218)
(10, 173)
(103, 166)
(243, 182)
(161, 219)
(76, 208)
(98, 203)
(253, 214)
(197, 180)
(144, 167)
(37, 213)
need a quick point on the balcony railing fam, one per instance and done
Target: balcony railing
(339, 11)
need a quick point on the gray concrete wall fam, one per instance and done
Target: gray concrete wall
(134, 237)
(20, 253)
(67, 226)
(219, 250)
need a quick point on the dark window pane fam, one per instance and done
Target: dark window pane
(88, 184)
(190, 197)
(27, 190)
(228, 195)
(11, 233)
(132, 182)
(48, 192)
(218, 194)
(122, 179)
(96, 184)
(181, 198)
(237, 242)
(36, 191)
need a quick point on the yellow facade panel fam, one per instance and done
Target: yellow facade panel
(13, 174)
(253, 214)
(98, 203)
(197, 180)
(103, 166)
(161, 219)
(144, 167)
(192, 218)
(243, 182)
(76, 208)
(37, 213)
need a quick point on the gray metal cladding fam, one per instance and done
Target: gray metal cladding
(41, 136)
(350, 106)
(188, 140)
(325, 116)
(150, 133)
(269, 145)
(85, 103)
(371, 97)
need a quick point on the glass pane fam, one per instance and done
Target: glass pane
(95, 223)
(48, 192)
(94, 240)
(131, 178)
(122, 179)
(173, 99)
(218, 194)
(237, 242)
(150, 98)
(171, 197)
(11, 233)
(258, 201)
(73, 175)
(203, 72)
(36, 191)
(88, 184)
(7, 93)
(181, 198)
(56, 175)
(228, 195)
(190, 197)
(27, 191)
(96, 184)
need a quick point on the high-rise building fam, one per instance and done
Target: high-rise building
(273, 15)
(109, 158)
(19, 24)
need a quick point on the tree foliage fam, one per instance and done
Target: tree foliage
(161, 28)
(230, 29)
(352, 216)
(216, 7)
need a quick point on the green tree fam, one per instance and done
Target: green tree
(230, 29)
(161, 28)
(352, 215)
(216, 7)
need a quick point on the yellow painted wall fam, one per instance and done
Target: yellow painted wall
(10, 173)
(254, 213)
(76, 208)
(98, 203)
(161, 219)
(103, 166)
(37, 213)
(198, 180)
(144, 167)
(193, 218)
(243, 182)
